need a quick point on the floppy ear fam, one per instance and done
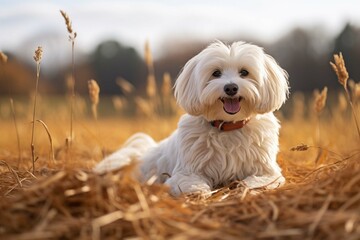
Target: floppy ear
(275, 88)
(187, 88)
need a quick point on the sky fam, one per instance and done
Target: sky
(28, 23)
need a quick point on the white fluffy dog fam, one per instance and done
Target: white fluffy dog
(229, 132)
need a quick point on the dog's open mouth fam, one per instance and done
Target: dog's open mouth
(231, 105)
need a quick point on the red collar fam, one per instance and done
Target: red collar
(229, 126)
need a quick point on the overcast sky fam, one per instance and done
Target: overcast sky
(27, 22)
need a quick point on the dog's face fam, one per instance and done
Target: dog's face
(231, 83)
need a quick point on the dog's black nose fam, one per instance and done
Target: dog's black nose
(231, 89)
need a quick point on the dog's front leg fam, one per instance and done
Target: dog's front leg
(265, 181)
(188, 183)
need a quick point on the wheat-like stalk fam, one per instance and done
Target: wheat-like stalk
(319, 104)
(343, 76)
(72, 36)
(37, 57)
(151, 81)
(148, 57)
(166, 87)
(342, 102)
(118, 103)
(94, 91)
(340, 69)
(355, 90)
(144, 107)
(125, 86)
(298, 99)
(151, 86)
(320, 100)
(3, 58)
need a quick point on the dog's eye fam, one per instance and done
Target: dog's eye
(244, 73)
(217, 73)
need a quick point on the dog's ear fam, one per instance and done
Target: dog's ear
(275, 88)
(187, 88)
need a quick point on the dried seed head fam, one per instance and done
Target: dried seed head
(151, 86)
(340, 69)
(118, 103)
(125, 86)
(356, 90)
(148, 56)
(67, 21)
(70, 83)
(94, 91)
(302, 147)
(72, 34)
(38, 54)
(144, 107)
(166, 85)
(342, 102)
(3, 58)
(320, 100)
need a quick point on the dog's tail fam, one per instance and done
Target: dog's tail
(133, 149)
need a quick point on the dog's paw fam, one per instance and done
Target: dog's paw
(267, 182)
(199, 189)
(188, 184)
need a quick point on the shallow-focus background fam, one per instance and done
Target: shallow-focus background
(301, 35)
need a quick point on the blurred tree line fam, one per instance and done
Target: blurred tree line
(304, 53)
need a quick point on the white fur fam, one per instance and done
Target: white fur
(198, 157)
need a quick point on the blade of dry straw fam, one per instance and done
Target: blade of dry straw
(319, 215)
(106, 219)
(52, 156)
(16, 177)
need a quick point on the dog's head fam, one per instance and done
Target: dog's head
(231, 83)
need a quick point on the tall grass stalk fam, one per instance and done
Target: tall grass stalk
(17, 131)
(151, 88)
(37, 58)
(319, 104)
(72, 36)
(94, 91)
(343, 76)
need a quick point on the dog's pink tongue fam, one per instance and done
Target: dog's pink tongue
(231, 105)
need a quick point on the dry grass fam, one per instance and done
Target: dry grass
(319, 201)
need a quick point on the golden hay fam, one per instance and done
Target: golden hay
(316, 203)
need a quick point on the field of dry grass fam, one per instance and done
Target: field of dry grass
(64, 199)
(48, 190)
